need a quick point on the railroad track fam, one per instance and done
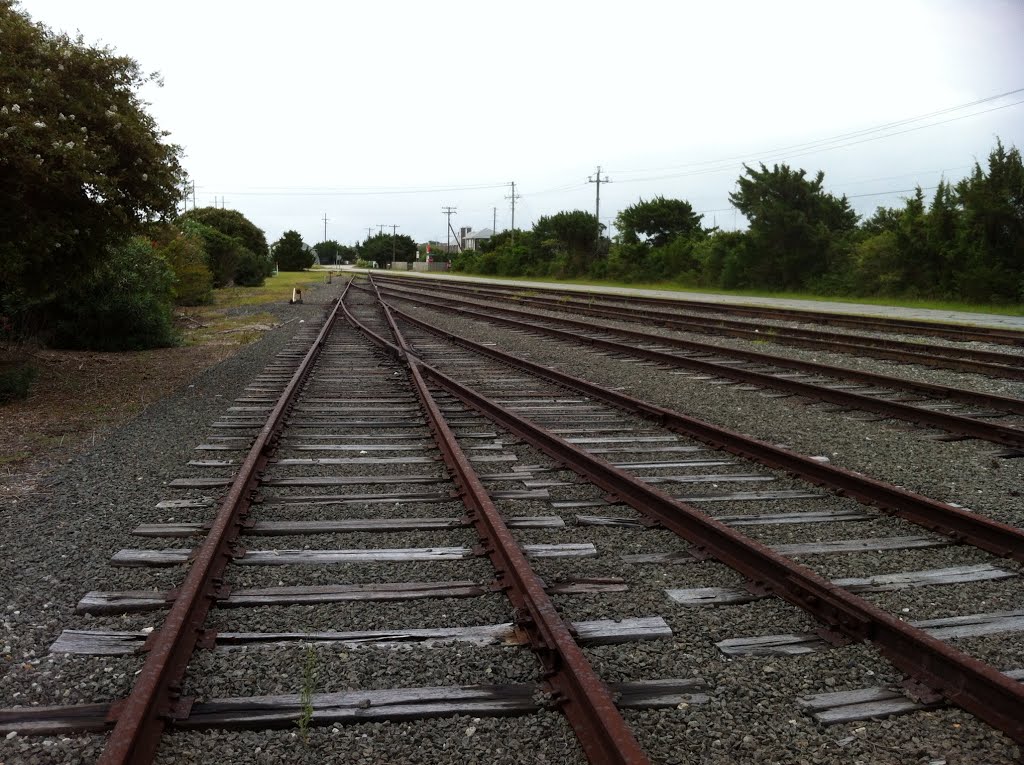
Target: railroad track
(996, 364)
(352, 459)
(958, 332)
(958, 412)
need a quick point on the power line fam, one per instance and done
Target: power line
(843, 136)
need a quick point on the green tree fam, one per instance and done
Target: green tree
(193, 280)
(379, 248)
(568, 241)
(231, 223)
(125, 304)
(291, 254)
(83, 166)
(658, 221)
(223, 252)
(798, 233)
(991, 241)
(332, 253)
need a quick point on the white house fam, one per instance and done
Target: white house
(469, 237)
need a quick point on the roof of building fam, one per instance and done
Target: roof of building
(484, 233)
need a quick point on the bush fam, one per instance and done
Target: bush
(193, 281)
(125, 304)
(15, 382)
(252, 270)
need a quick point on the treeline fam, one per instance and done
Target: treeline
(92, 252)
(965, 242)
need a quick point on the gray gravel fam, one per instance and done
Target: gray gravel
(751, 715)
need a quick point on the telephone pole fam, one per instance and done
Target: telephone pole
(325, 227)
(449, 211)
(513, 196)
(597, 206)
(369, 231)
(494, 224)
(394, 228)
(380, 229)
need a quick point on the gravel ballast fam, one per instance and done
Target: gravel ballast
(751, 714)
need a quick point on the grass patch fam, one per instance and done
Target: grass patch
(276, 289)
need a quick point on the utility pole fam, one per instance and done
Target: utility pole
(394, 228)
(513, 196)
(597, 207)
(325, 227)
(369, 231)
(494, 225)
(449, 211)
(380, 229)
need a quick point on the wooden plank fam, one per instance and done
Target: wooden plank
(860, 545)
(811, 516)
(772, 645)
(596, 632)
(359, 499)
(810, 548)
(184, 503)
(717, 596)
(750, 496)
(177, 556)
(150, 600)
(358, 706)
(708, 478)
(972, 625)
(284, 528)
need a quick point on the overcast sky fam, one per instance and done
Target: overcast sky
(383, 112)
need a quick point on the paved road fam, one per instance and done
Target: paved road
(925, 314)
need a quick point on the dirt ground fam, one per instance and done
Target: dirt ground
(79, 394)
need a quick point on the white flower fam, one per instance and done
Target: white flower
(70, 144)
(113, 109)
(16, 109)
(145, 176)
(83, 129)
(109, 113)
(61, 117)
(71, 117)
(3, 109)
(39, 124)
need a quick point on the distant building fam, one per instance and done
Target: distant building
(468, 237)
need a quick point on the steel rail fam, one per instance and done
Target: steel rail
(958, 332)
(998, 365)
(155, 697)
(952, 423)
(963, 680)
(1000, 403)
(582, 696)
(997, 538)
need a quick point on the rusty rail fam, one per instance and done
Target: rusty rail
(155, 697)
(971, 684)
(993, 364)
(582, 696)
(958, 332)
(998, 538)
(951, 423)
